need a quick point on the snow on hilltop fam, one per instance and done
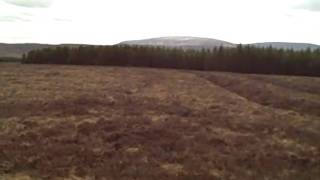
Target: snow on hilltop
(185, 42)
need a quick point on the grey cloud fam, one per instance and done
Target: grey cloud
(62, 20)
(30, 3)
(312, 5)
(13, 19)
(27, 14)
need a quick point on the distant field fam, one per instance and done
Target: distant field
(89, 122)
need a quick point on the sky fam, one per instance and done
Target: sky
(112, 21)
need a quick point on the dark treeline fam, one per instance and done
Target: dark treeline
(244, 59)
(10, 59)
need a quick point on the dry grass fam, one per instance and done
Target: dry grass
(73, 122)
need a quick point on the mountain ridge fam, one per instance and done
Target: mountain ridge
(287, 45)
(184, 42)
(17, 50)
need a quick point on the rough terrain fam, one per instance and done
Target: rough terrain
(88, 122)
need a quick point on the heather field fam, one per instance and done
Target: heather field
(117, 123)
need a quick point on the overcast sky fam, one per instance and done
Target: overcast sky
(112, 21)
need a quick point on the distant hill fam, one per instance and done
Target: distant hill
(184, 42)
(285, 45)
(17, 50)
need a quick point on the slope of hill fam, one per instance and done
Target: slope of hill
(17, 50)
(184, 42)
(284, 45)
(89, 122)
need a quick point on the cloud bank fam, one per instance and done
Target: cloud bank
(312, 5)
(13, 19)
(30, 3)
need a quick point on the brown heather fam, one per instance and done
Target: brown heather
(80, 122)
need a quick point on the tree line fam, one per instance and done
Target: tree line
(10, 59)
(243, 59)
